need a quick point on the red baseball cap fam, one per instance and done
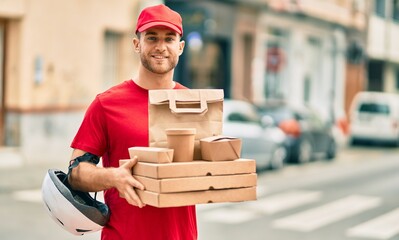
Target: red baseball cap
(159, 15)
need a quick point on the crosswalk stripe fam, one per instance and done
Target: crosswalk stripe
(230, 215)
(284, 201)
(317, 217)
(249, 210)
(261, 191)
(34, 195)
(383, 227)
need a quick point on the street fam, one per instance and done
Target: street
(353, 197)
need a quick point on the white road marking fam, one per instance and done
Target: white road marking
(318, 217)
(28, 195)
(383, 227)
(230, 215)
(284, 201)
(249, 210)
(35, 195)
(261, 191)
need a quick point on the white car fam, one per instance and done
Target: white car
(374, 117)
(261, 140)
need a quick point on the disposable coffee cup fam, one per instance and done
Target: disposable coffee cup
(182, 141)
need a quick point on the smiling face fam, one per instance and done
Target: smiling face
(159, 49)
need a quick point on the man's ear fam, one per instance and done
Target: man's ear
(181, 47)
(136, 45)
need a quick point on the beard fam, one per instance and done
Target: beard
(158, 68)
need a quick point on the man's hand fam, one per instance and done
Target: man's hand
(125, 183)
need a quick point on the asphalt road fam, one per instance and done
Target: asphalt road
(354, 197)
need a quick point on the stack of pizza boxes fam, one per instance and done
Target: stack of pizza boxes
(220, 176)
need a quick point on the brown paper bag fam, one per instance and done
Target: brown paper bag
(185, 108)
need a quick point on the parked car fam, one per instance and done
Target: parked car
(264, 143)
(374, 116)
(307, 133)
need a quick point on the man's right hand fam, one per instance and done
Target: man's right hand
(125, 183)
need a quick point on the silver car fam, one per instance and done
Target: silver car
(261, 139)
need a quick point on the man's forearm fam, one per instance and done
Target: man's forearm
(88, 177)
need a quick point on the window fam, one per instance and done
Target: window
(397, 78)
(395, 10)
(276, 52)
(379, 8)
(307, 86)
(238, 117)
(111, 58)
(243, 112)
(374, 108)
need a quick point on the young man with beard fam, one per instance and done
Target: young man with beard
(118, 119)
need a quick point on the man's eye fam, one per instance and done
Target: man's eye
(152, 38)
(170, 39)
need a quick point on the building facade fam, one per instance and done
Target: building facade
(55, 56)
(382, 49)
(276, 49)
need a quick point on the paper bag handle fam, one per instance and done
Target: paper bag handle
(173, 107)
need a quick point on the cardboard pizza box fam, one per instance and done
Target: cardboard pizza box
(193, 169)
(187, 184)
(197, 197)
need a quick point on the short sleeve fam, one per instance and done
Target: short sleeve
(91, 136)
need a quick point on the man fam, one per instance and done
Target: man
(118, 119)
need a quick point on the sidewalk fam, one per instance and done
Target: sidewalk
(10, 157)
(16, 174)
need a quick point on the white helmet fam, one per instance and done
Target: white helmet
(75, 211)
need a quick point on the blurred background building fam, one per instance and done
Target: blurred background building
(56, 55)
(382, 48)
(277, 49)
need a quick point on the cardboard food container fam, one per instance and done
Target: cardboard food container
(187, 184)
(197, 197)
(181, 140)
(152, 154)
(193, 169)
(220, 148)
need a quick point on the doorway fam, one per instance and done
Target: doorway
(375, 75)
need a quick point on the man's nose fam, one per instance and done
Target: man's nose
(161, 45)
